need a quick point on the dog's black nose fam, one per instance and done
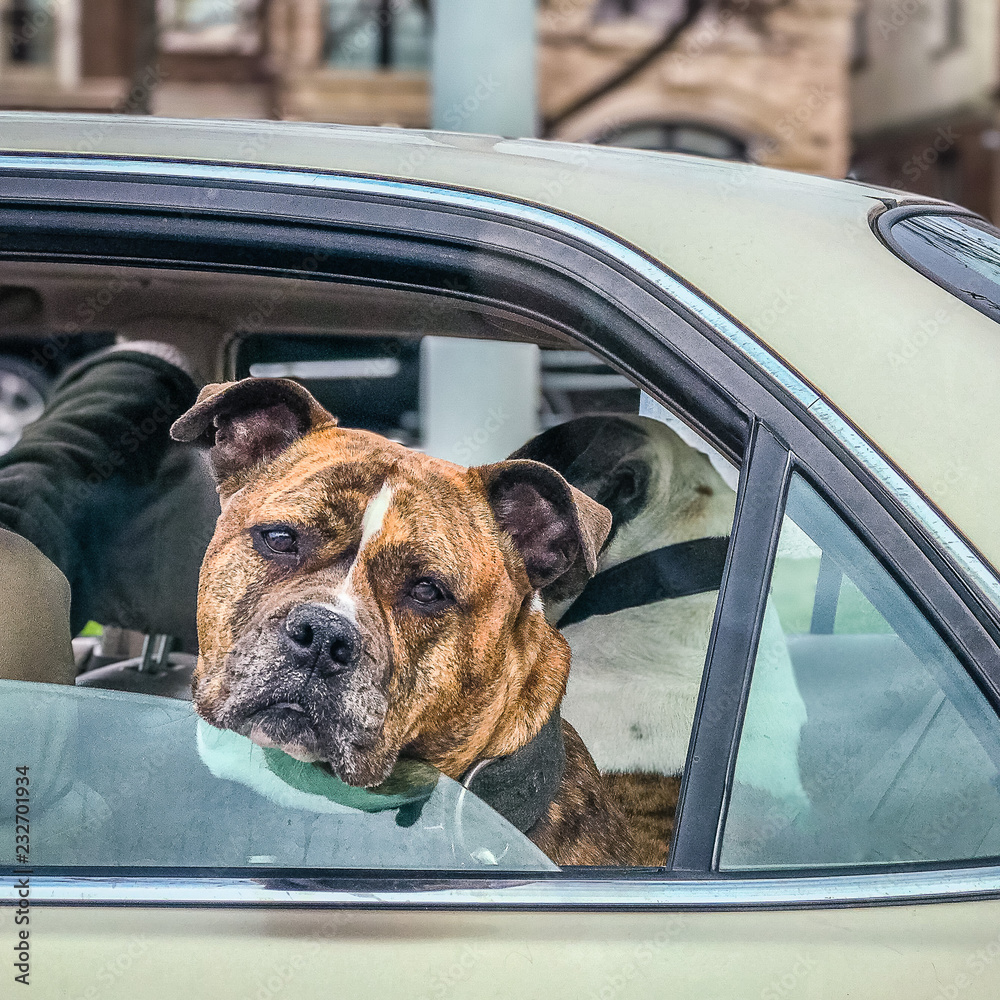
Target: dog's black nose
(314, 636)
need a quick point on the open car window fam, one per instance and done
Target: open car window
(124, 773)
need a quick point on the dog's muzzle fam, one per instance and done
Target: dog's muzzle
(314, 637)
(308, 684)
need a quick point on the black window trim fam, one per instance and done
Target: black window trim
(711, 759)
(659, 341)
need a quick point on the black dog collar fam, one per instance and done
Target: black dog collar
(679, 570)
(521, 785)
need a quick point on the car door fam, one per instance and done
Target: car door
(753, 898)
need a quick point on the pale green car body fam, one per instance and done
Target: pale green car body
(838, 319)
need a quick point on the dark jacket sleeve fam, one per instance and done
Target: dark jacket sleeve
(79, 471)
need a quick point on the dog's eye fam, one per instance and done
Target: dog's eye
(281, 540)
(428, 592)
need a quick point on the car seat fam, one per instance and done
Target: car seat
(35, 640)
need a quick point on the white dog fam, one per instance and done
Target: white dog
(638, 656)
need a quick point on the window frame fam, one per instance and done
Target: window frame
(698, 845)
(671, 342)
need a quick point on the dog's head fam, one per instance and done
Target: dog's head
(360, 601)
(659, 489)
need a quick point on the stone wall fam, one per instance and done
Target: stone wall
(778, 82)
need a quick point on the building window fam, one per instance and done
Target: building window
(230, 26)
(947, 27)
(859, 38)
(659, 12)
(388, 34)
(678, 137)
(29, 33)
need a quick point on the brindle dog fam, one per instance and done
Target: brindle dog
(362, 603)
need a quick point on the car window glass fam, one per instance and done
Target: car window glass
(961, 253)
(897, 756)
(637, 651)
(123, 779)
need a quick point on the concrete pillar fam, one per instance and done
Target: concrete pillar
(480, 399)
(483, 67)
(68, 44)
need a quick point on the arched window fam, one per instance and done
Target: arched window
(678, 137)
(659, 12)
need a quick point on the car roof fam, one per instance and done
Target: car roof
(791, 256)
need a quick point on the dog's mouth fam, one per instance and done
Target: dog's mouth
(286, 726)
(348, 752)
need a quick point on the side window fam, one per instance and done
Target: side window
(639, 628)
(897, 755)
(382, 554)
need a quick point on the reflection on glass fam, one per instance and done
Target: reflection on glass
(975, 248)
(135, 780)
(899, 754)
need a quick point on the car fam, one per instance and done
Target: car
(830, 346)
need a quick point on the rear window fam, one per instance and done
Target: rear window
(960, 252)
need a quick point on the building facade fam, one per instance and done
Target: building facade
(762, 79)
(765, 81)
(923, 98)
(897, 91)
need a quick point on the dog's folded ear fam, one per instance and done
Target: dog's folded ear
(554, 526)
(249, 422)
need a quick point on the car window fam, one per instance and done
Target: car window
(123, 779)
(898, 752)
(962, 253)
(134, 777)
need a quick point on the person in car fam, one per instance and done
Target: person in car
(97, 487)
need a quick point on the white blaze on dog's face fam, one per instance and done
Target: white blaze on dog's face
(360, 600)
